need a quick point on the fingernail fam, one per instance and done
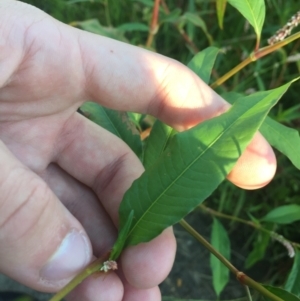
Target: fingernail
(73, 254)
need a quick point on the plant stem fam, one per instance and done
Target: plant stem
(182, 32)
(89, 270)
(258, 227)
(154, 24)
(243, 278)
(253, 57)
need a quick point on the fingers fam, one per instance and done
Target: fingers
(85, 206)
(104, 162)
(42, 244)
(134, 79)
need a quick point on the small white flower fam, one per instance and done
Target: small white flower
(109, 265)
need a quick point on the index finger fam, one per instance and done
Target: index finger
(124, 77)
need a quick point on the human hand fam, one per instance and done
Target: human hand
(62, 177)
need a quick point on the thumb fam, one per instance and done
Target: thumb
(41, 244)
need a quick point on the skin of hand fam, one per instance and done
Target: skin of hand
(62, 177)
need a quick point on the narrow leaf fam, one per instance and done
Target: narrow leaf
(198, 21)
(283, 138)
(281, 293)
(286, 214)
(221, 7)
(194, 164)
(120, 242)
(254, 11)
(221, 242)
(157, 142)
(202, 63)
(116, 122)
(133, 27)
(293, 282)
(259, 249)
(94, 26)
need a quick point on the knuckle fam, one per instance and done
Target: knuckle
(23, 199)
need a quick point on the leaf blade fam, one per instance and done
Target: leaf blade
(254, 12)
(156, 143)
(221, 7)
(286, 214)
(118, 123)
(220, 241)
(197, 166)
(202, 63)
(281, 293)
(293, 281)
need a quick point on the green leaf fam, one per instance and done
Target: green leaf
(259, 249)
(172, 17)
(94, 26)
(283, 138)
(254, 11)
(116, 122)
(221, 242)
(221, 7)
(197, 21)
(157, 142)
(281, 293)
(202, 63)
(193, 165)
(133, 27)
(120, 242)
(286, 214)
(293, 282)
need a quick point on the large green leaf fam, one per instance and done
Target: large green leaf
(221, 7)
(193, 165)
(116, 122)
(293, 282)
(157, 142)
(281, 293)
(202, 63)
(220, 241)
(286, 214)
(283, 138)
(254, 11)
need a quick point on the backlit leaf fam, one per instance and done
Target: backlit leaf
(220, 241)
(221, 7)
(202, 63)
(193, 165)
(254, 11)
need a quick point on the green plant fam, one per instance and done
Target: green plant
(214, 145)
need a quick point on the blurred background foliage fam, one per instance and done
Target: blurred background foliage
(189, 26)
